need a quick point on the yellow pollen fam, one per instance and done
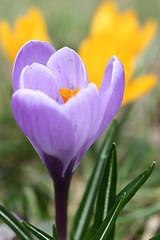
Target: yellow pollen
(67, 94)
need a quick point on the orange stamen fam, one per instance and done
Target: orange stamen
(67, 94)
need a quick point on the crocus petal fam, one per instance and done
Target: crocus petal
(30, 26)
(148, 33)
(68, 68)
(94, 102)
(104, 19)
(138, 87)
(104, 48)
(6, 39)
(95, 121)
(32, 51)
(39, 77)
(83, 114)
(45, 123)
(112, 32)
(111, 92)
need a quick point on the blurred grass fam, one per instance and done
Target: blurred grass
(25, 186)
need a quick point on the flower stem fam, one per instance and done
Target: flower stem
(61, 201)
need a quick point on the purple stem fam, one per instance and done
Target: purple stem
(61, 201)
(61, 187)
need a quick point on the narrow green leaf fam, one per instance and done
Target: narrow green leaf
(13, 223)
(85, 210)
(107, 225)
(133, 186)
(55, 233)
(107, 191)
(37, 232)
(89, 234)
(157, 237)
(129, 191)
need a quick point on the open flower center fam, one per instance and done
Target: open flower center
(67, 94)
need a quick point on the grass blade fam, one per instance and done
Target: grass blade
(107, 225)
(107, 191)
(55, 233)
(85, 210)
(37, 232)
(135, 185)
(130, 190)
(13, 223)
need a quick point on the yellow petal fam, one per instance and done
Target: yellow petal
(148, 33)
(6, 39)
(104, 18)
(96, 51)
(115, 33)
(28, 27)
(138, 87)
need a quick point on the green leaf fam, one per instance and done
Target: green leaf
(120, 202)
(13, 223)
(85, 210)
(89, 234)
(107, 225)
(157, 237)
(133, 186)
(55, 233)
(37, 232)
(107, 191)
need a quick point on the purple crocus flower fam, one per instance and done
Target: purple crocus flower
(61, 133)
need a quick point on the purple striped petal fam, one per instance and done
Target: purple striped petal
(69, 69)
(110, 97)
(39, 77)
(45, 123)
(62, 133)
(32, 51)
(111, 92)
(83, 112)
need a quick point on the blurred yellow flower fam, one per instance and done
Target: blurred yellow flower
(29, 27)
(120, 34)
